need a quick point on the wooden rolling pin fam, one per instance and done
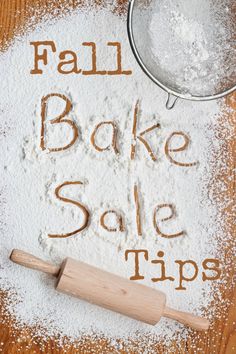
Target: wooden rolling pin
(109, 291)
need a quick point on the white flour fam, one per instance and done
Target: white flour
(191, 41)
(29, 177)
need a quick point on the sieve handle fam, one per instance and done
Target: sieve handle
(171, 101)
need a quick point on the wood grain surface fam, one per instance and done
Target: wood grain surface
(221, 338)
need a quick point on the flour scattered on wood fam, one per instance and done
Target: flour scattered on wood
(29, 177)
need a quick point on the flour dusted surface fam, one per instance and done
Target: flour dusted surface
(30, 176)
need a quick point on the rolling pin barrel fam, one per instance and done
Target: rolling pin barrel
(111, 291)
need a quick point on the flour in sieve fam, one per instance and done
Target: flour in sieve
(192, 42)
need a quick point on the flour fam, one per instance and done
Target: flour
(29, 177)
(192, 42)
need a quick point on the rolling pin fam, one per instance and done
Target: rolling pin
(109, 291)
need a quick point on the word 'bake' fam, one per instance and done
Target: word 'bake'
(138, 137)
(67, 60)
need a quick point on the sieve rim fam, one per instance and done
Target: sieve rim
(169, 90)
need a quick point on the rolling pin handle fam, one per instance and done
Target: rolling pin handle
(195, 322)
(27, 260)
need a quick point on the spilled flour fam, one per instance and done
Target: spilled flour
(29, 177)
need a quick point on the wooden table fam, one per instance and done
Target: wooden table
(221, 339)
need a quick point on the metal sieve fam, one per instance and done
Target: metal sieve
(140, 13)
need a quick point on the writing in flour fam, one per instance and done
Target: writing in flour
(103, 148)
(111, 135)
